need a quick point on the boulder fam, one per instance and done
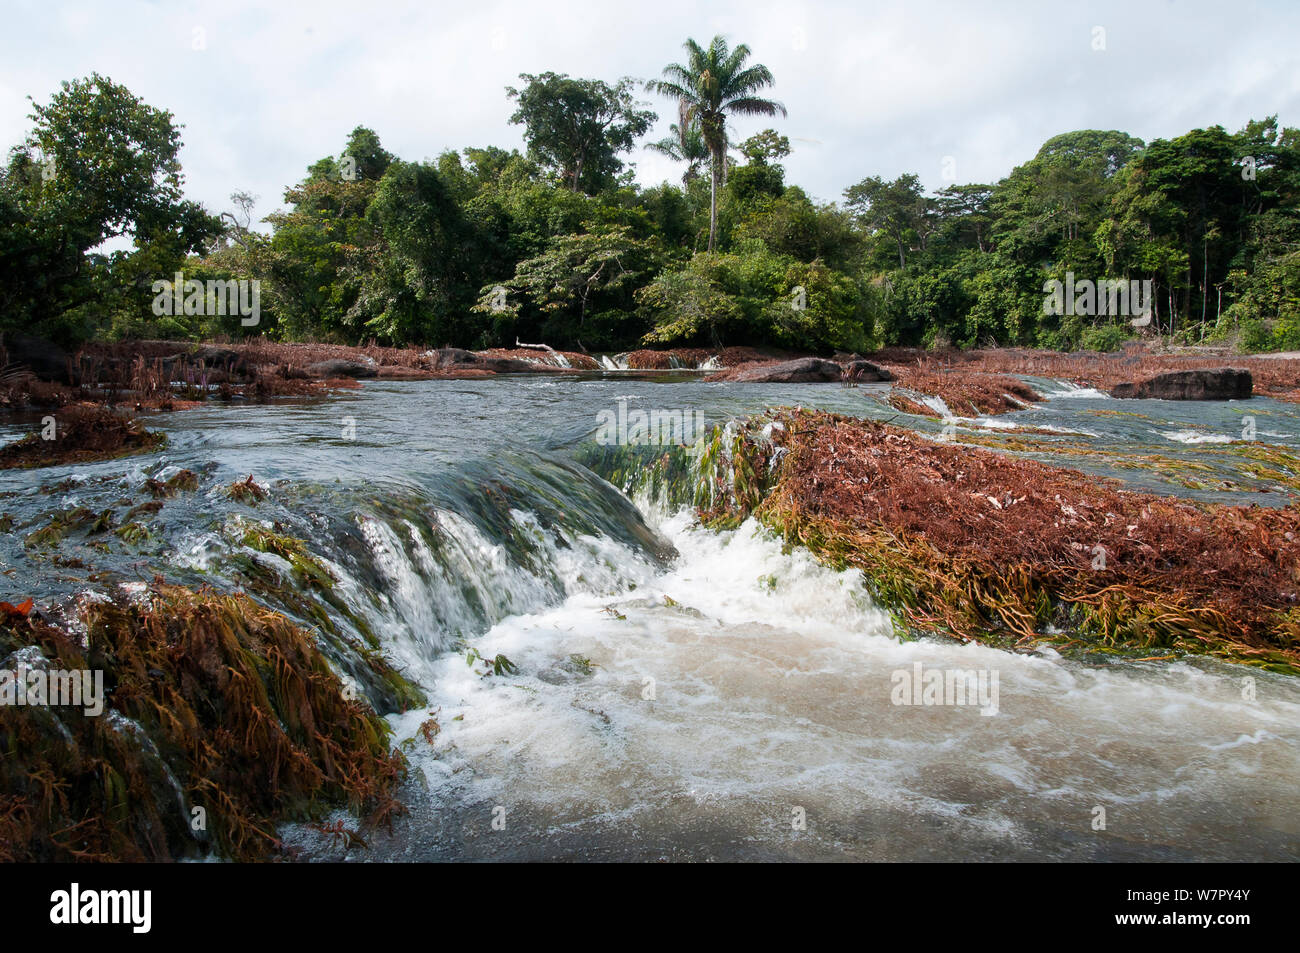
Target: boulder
(1223, 383)
(339, 368)
(865, 372)
(457, 359)
(803, 370)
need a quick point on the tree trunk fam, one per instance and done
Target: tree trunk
(713, 205)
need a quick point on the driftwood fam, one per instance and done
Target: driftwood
(534, 347)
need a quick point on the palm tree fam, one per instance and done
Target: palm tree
(714, 84)
(684, 146)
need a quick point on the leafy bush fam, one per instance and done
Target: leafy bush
(1106, 337)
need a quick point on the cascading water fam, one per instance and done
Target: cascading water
(675, 692)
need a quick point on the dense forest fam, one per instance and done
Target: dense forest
(484, 247)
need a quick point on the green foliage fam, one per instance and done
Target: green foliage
(755, 296)
(577, 127)
(373, 247)
(576, 276)
(1105, 337)
(98, 164)
(417, 281)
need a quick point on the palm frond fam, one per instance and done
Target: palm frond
(736, 59)
(749, 81)
(754, 106)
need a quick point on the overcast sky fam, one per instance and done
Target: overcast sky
(966, 89)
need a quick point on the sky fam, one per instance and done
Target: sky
(951, 91)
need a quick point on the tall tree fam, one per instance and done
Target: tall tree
(98, 164)
(712, 85)
(579, 126)
(899, 209)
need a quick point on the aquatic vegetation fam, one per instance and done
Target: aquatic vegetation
(1276, 378)
(499, 665)
(185, 480)
(134, 533)
(1274, 466)
(981, 546)
(222, 719)
(1270, 462)
(429, 728)
(307, 570)
(246, 491)
(900, 401)
(53, 532)
(963, 392)
(80, 434)
(308, 592)
(1115, 413)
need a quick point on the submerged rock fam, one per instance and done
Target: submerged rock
(1224, 383)
(804, 370)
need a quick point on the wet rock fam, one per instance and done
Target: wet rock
(804, 370)
(339, 368)
(1224, 383)
(455, 359)
(865, 371)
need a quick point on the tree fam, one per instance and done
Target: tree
(765, 147)
(1049, 208)
(98, 164)
(417, 280)
(579, 126)
(313, 264)
(899, 209)
(1179, 206)
(570, 277)
(363, 157)
(712, 85)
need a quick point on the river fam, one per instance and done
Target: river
(681, 693)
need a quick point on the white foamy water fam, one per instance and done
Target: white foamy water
(1195, 436)
(704, 712)
(1068, 389)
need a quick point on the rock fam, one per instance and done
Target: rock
(1224, 383)
(865, 371)
(458, 359)
(803, 370)
(43, 358)
(339, 368)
